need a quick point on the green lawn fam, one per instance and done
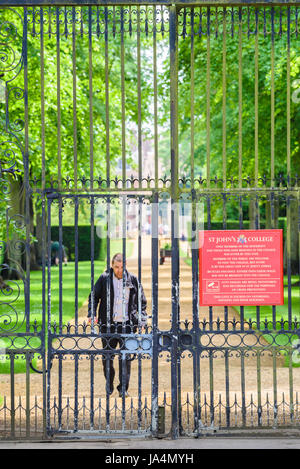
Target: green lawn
(68, 301)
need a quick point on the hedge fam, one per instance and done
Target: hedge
(84, 242)
(235, 225)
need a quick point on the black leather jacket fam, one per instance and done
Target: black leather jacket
(103, 285)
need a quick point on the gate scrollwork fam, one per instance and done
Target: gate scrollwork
(10, 292)
(11, 164)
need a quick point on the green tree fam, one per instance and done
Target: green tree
(232, 102)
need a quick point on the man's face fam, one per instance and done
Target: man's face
(117, 267)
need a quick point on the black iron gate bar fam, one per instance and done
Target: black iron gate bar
(135, 344)
(177, 339)
(84, 181)
(179, 3)
(60, 16)
(191, 340)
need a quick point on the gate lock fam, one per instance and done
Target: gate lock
(138, 345)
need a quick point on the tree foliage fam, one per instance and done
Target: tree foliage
(224, 60)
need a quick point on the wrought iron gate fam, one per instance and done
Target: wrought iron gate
(123, 129)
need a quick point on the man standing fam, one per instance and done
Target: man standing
(118, 313)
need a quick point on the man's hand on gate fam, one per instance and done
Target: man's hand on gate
(140, 320)
(90, 320)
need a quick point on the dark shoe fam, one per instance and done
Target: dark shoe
(111, 390)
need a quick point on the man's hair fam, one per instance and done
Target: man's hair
(117, 257)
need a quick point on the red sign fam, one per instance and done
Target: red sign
(240, 267)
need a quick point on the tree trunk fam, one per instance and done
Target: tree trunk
(14, 245)
(15, 255)
(253, 214)
(38, 233)
(291, 249)
(272, 214)
(33, 245)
